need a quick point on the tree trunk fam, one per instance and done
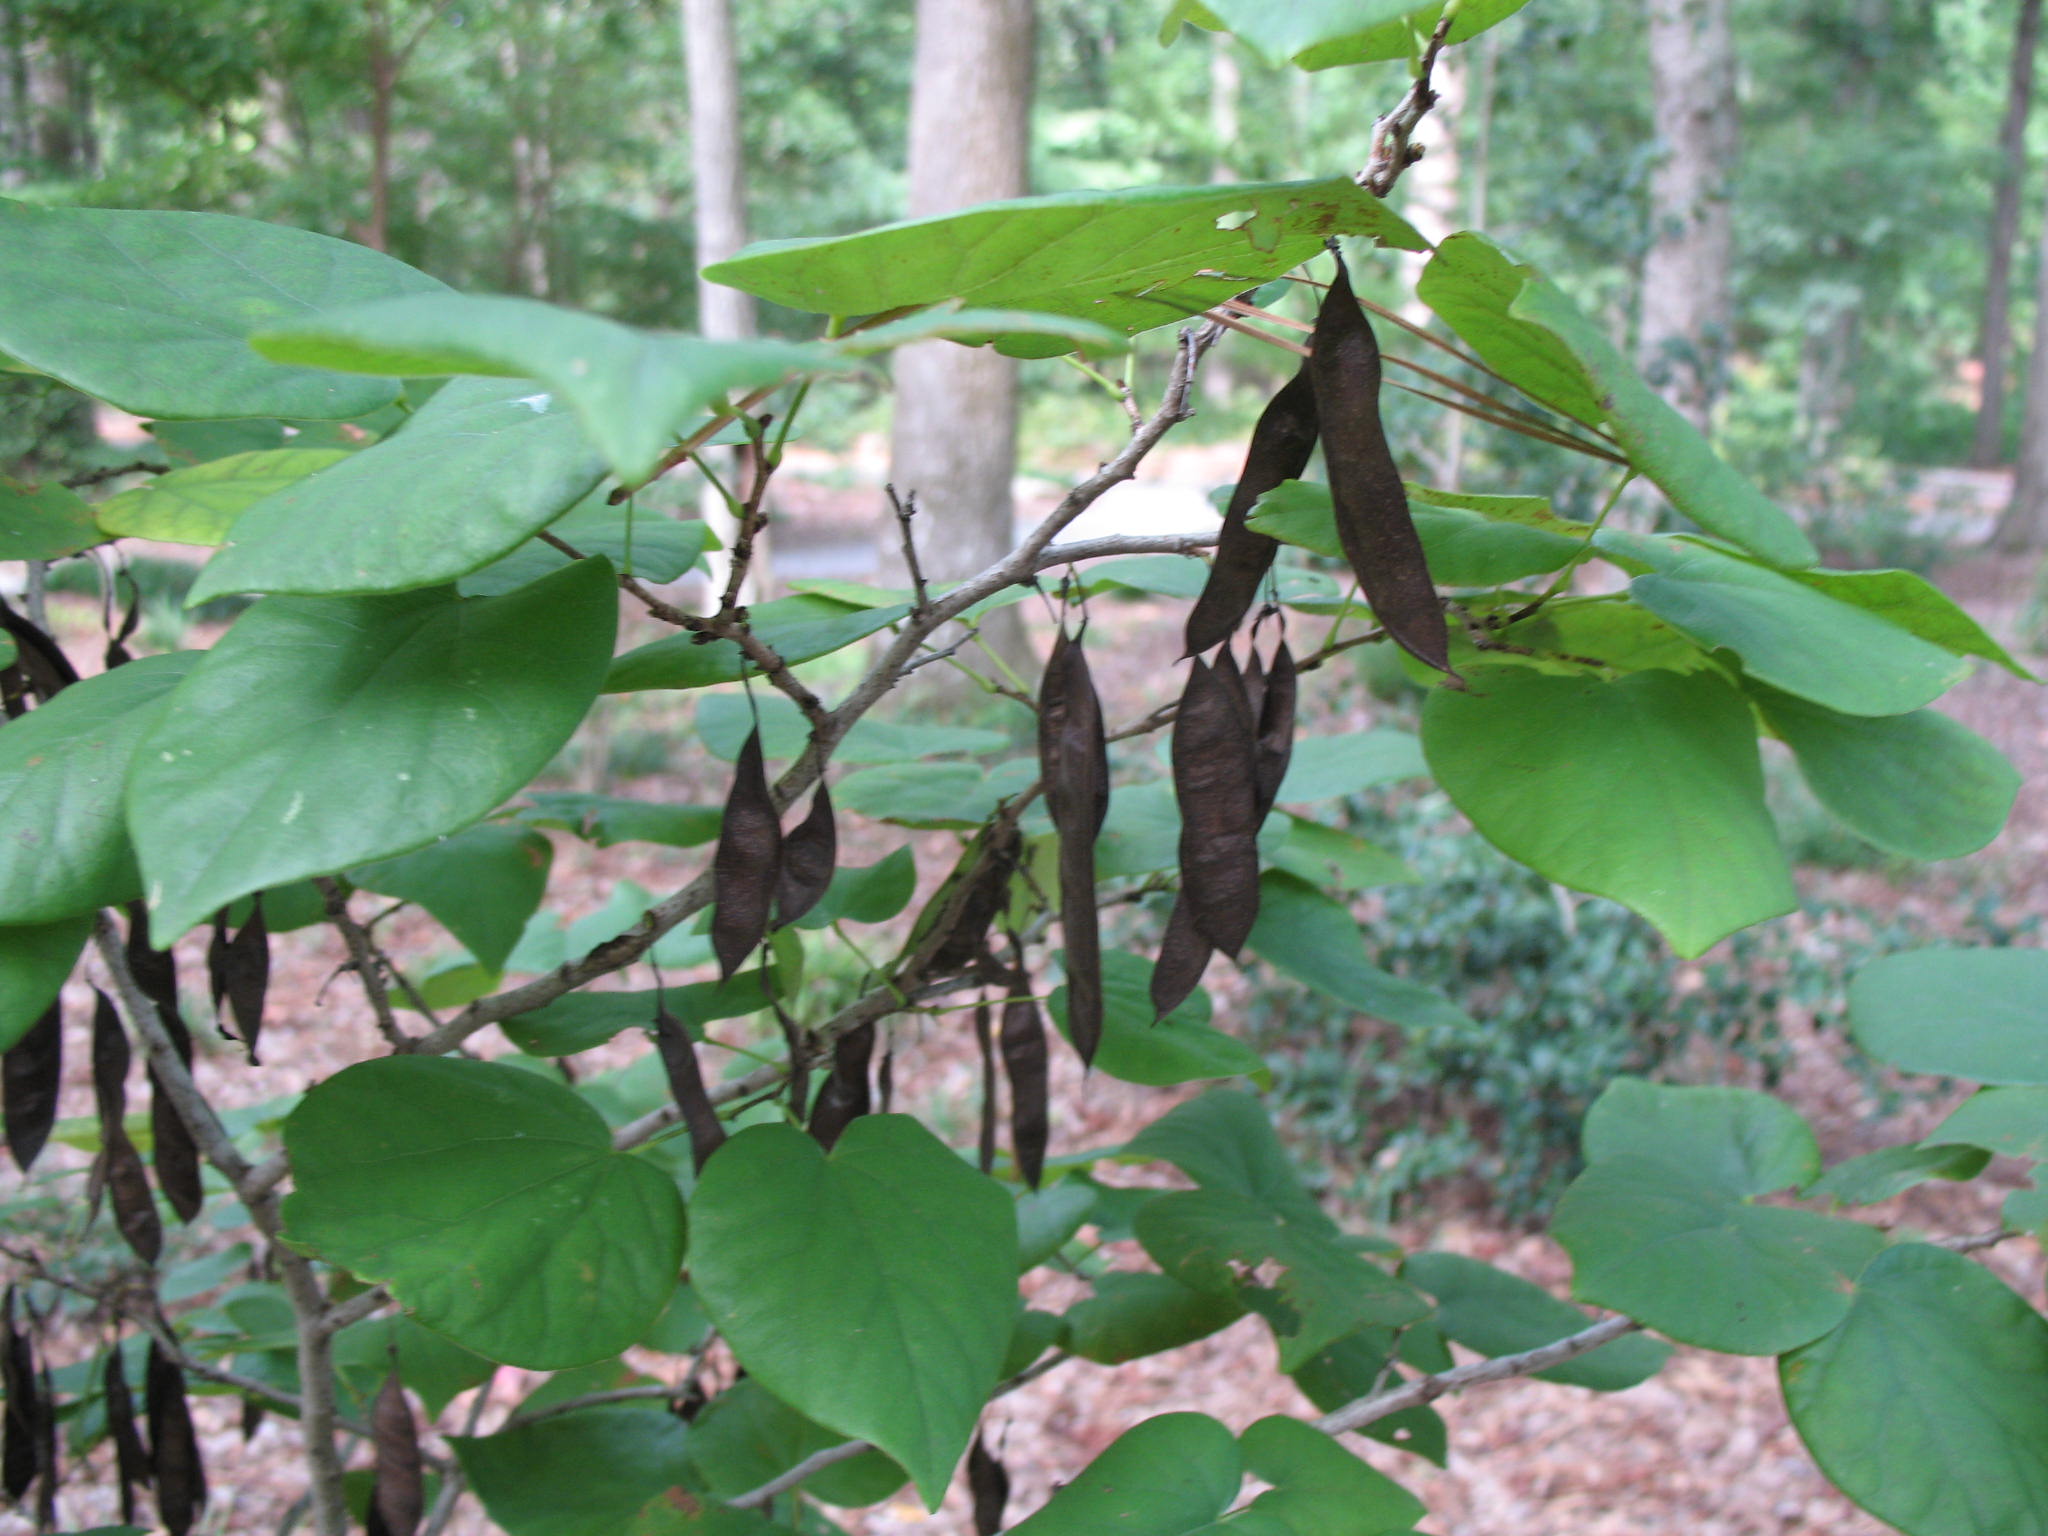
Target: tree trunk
(719, 187)
(1994, 334)
(2024, 524)
(1683, 340)
(955, 438)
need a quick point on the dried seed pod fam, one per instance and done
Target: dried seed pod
(985, 1046)
(109, 1060)
(1254, 681)
(686, 1082)
(173, 1446)
(1024, 1063)
(398, 1488)
(239, 969)
(990, 1484)
(1183, 956)
(967, 902)
(1281, 446)
(21, 1425)
(30, 1074)
(748, 865)
(1073, 760)
(1215, 781)
(810, 851)
(174, 1155)
(135, 1212)
(1275, 718)
(131, 1459)
(885, 1080)
(1373, 521)
(845, 1096)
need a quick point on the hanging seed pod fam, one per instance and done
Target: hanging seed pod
(985, 1046)
(173, 1446)
(1215, 781)
(686, 1082)
(1281, 446)
(1183, 957)
(1373, 521)
(1275, 716)
(990, 1484)
(47, 1471)
(1073, 761)
(109, 1061)
(748, 865)
(30, 1074)
(398, 1485)
(174, 1155)
(810, 851)
(844, 1097)
(135, 1212)
(1254, 680)
(239, 969)
(253, 1413)
(1024, 1063)
(967, 902)
(131, 1460)
(21, 1425)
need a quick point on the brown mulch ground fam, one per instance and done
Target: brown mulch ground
(1703, 1449)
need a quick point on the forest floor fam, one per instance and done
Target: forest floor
(1703, 1448)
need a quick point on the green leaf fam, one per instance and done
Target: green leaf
(1787, 634)
(1918, 785)
(478, 471)
(1878, 1176)
(1180, 1048)
(1496, 1313)
(978, 327)
(1130, 260)
(1324, 767)
(1925, 1404)
(1319, 1488)
(635, 392)
(1915, 604)
(1736, 1139)
(1646, 789)
(43, 522)
(490, 1201)
(321, 733)
(747, 1436)
(1334, 22)
(482, 884)
(866, 893)
(65, 850)
(1524, 327)
(796, 628)
(198, 505)
(610, 819)
(1325, 856)
(922, 1252)
(1465, 546)
(1223, 1140)
(585, 1473)
(152, 311)
(654, 547)
(583, 1020)
(1049, 1216)
(33, 964)
(2013, 1122)
(1134, 1314)
(724, 721)
(1156, 575)
(1980, 1014)
(1317, 941)
(933, 794)
(1169, 1476)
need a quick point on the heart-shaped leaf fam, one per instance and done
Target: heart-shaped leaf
(1980, 1014)
(490, 1201)
(199, 504)
(482, 884)
(1169, 1476)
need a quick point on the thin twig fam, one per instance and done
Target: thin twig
(355, 1309)
(588, 1400)
(365, 958)
(1392, 149)
(905, 508)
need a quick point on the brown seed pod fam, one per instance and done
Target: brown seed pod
(810, 851)
(967, 902)
(238, 967)
(1024, 1062)
(109, 1060)
(844, 1096)
(686, 1082)
(1073, 761)
(1281, 446)
(748, 865)
(985, 1046)
(131, 1459)
(1183, 956)
(174, 1155)
(398, 1489)
(1215, 781)
(1373, 521)
(21, 1423)
(173, 1446)
(135, 1212)
(1275, 718)
(30, 1074)
(990, 1484)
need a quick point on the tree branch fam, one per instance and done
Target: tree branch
(1392, 151)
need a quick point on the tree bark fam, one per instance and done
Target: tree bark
(955, 436)
(1994, 334)
(2024, 524)
(1683, 340)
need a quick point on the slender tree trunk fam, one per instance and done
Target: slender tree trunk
(719, 187)
(1683, 340)
(2024, 524)
(955, 444)
(1994, 334)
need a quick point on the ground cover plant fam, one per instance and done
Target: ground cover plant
(437, 605)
